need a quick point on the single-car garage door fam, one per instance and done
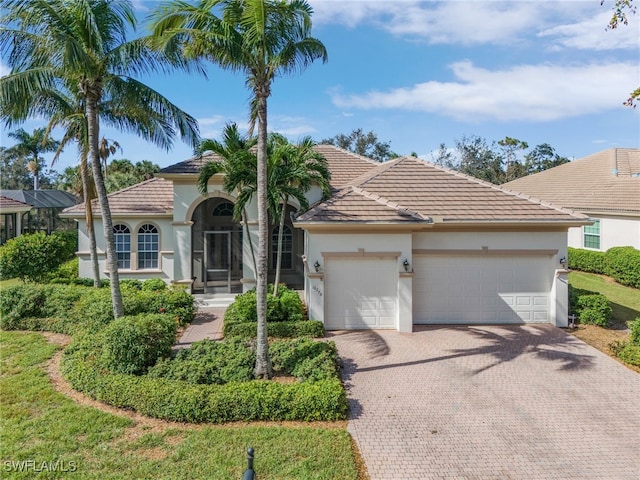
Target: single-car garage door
(481, 289)
(361, 293)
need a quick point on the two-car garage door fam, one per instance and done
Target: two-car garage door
(478, 289)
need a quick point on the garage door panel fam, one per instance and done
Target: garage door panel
(481, 289)
(361, 293)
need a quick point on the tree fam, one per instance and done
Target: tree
(542, 157)
(262, 39)
(513, 168)
(479, 159)
(239, 166)
(29, 147)
(81, 47)
(106, 149)
(444, 157)
(365, 144)
(293, 171)
(620, 10)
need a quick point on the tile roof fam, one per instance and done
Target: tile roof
(607, 181)
(7, 203)
(154, 196)
(343, 165)
(426, 192)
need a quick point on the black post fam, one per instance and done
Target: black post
(249, 474)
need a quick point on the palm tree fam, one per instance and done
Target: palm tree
(239, 168)
(52, 45)
(107, 148)
(262, 39)
(293, 170)
(30, 146)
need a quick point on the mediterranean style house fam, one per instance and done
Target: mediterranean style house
(604, 186)
(399, 243)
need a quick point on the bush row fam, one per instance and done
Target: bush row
(69, 308)
(620, 263)
(589, 307)
(285, 307)
(305, 328)
(181, 401)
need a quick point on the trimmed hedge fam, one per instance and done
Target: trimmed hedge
(620, 263)
(306, 359)
(586, 260)
(591, 308)
(33, 257)
(305, 328)
(629, 351)
(133, 344)
(181, 401)
(286, 307)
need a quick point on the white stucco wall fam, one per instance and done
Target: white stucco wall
(615, 231)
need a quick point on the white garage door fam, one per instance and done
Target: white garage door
(361, 293)
(481, 289)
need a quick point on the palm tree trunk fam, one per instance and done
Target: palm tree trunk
(279, 255)
(263, 364)
(91, 233)
(112, 259)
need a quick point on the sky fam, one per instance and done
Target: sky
(420, 74)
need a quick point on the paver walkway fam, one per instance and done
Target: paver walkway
(207, 324)
(515, 402)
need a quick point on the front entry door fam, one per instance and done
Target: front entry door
(217, 260)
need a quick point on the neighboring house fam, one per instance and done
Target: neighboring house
(44, 209)
(605, 186)
(11, 212)
(397, 244)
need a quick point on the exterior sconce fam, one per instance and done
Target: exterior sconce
(317, 266)
(405, 264)
(563, 262)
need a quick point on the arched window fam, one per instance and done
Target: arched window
(287, 248)
(147, 246)
(122, 236)
(224, 209)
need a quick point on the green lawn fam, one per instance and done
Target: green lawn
(39, 424)
(625, 301)
(9, 283)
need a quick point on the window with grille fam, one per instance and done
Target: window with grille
(592, 235)
(122, 236)
(287, 248)
(147, 247)
(223, 210)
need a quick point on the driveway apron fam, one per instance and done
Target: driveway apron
(490, 402)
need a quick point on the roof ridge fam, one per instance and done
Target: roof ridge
(505, 190)
(344, 150)
(387, 203)
(136, 185)
(374, 172)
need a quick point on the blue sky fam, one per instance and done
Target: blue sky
(424, 73)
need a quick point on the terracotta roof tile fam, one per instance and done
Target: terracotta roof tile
(154, 196)
(428, 191)
(607, 181)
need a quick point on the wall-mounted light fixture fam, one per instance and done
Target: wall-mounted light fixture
(405, 264)
(563, 262)
(317, 266)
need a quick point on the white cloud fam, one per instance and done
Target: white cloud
(211, 127)
(292, 127)
(542, 92)
(591, 34)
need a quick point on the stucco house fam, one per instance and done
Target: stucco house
(604, 186)
(397, 244)
(11, 212)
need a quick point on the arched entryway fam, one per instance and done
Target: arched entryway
(216, 246)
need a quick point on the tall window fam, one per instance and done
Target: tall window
(122, 236)
(287, 248)
(147, 247)
(592, 235)
(224, 209)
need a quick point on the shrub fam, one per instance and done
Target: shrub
(305, 328)
(209, 362)
(70, 239)
(593, 309)
(623, 265)
(32, 257)
(67, 271)
(133, 344)
(154, 285)
(634, 326)
(306, 359)
(174, 301)
(286, 307)
(586, 260)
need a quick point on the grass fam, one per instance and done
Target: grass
(625, 306)
(41, 425)
(9, 283)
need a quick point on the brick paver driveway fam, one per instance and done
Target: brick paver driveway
(516, 402)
